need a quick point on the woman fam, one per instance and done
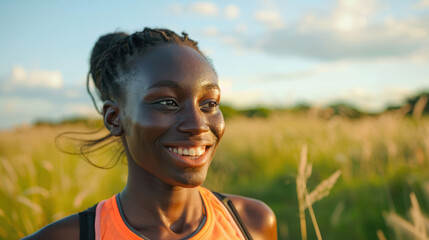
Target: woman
(160, 97)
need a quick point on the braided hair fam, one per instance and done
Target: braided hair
(108, 60)
(111, 52)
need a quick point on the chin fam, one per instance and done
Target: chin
(191, 180)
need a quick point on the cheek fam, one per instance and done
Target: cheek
(143, 130)
(154, 122)
(218, 126)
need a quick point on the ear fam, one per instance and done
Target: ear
(111, 118)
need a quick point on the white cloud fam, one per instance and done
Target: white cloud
(82, 110)
(243, 98)
(17, 111)
(352, 30)
(176, 8)
(396, 95)
(210, 31)
(15, 105)
(19, 77)
(270, 17)
(28, 95)
(347, 16)
(373, 101)
(307, 73)
(207, 9)
(353, 14)
(72, 94)
(358, 93)
(422, 4)
(232, 11)
(230, 40)
(225, 84)
(239, 96)
(241, 28)
(411, 29)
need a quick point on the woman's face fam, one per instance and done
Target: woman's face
(170, 115)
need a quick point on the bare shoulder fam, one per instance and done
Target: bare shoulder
(66, 228)
(258, 217)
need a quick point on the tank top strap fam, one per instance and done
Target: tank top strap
(226, 216)
(234, 214)
(87, 223)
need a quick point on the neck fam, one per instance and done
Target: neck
(150, 203)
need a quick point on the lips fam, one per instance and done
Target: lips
(190, 156)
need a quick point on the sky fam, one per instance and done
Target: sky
(368, 53)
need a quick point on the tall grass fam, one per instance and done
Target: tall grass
(306, 200)
(382, 160)
(417, 228)
(41, 184)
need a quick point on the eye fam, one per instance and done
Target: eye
(167, 104)
(210, 105)
(170, 103)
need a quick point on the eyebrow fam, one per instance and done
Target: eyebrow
(165, 83)
(211, 86)
(173, 84)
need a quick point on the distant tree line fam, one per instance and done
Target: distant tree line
(415, 105)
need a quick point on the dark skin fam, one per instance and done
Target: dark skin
(171, 100)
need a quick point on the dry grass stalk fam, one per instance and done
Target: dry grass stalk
(398, 222)
(426, 222)
(36, 208)
(306, 200)
(417, 216)
(308, 171)
(313, 216)
(380, 235)
(419, 107)
(37, 190)
(78, 200)
(417, 228)
(300, 189)
(322, 190)
(400, 113)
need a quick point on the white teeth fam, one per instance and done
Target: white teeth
(192, 151)
(200, 150)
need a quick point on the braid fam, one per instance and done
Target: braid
(112, 51)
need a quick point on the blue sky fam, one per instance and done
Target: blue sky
(371, 53)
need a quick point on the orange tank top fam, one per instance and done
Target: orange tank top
(218, 223)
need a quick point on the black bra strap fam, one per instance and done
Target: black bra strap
(87, 223)
(231, 209)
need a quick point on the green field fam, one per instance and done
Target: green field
(383, 159)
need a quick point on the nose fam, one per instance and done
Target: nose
(193, 121)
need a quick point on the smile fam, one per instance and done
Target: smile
(190, 156)
(189, 151)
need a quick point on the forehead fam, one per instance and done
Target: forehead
(170, 62)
